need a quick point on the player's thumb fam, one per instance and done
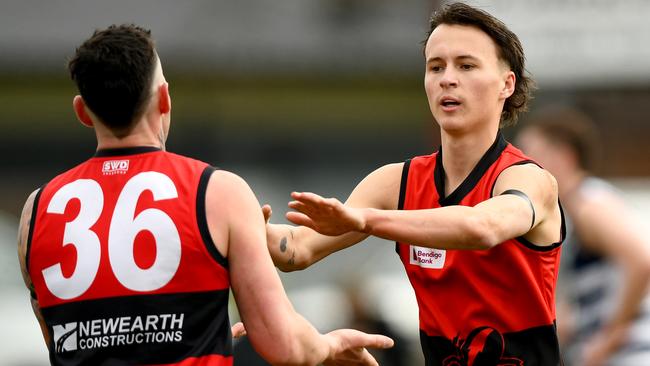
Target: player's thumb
(267, 212)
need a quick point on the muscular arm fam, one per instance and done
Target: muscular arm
(295, 248)
(277, 332)
(483, 226)
(23, 234)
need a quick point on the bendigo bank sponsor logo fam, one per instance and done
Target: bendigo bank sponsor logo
(119, 331)
(427, 257)
(112, 167)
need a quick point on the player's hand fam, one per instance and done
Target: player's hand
(267, 211)
(278, 238)
(348, 347)
(327, 216)
(238, 330)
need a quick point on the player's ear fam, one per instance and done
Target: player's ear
(80, 110)
(508, 85)
(164, 100)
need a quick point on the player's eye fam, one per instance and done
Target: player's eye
(467, 67)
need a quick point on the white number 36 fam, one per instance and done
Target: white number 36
(124, 228)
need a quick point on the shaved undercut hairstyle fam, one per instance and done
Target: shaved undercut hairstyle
(113, 70)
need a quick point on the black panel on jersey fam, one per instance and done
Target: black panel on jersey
(32, 223)
(454, 198)
(402, 186)
(523, 162)
(205, 331)
(125, 151)
(202, 219)
(402, 191)
(531, 347)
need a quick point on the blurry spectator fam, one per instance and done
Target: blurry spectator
(603, 311)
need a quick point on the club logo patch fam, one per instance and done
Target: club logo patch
(65, 337)
(112, 167)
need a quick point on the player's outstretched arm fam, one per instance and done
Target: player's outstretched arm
(277, 332)
(294, 248)
(483, 226)
(23, 235)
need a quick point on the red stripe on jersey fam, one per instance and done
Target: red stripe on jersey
(210, 360)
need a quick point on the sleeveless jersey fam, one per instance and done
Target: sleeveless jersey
(479, 307)
(123, 265)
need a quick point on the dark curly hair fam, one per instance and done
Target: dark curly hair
(113, 70)
(508, 47)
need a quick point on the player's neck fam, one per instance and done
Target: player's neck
(462, 152)
(141, 135)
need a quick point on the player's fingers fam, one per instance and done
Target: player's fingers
(308, 198)
(298, 206)
(238, 330)
(307, 209)
(371, 341)
(267, 212)
(300, 219)
(367, 359)
(379, 341)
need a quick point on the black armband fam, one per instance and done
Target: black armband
(524, 196)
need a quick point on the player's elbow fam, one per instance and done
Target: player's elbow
(295, 263)
(277, 352)
(481, 233)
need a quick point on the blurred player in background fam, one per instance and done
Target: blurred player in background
(129, 256)
(606, 258)
(477, 223)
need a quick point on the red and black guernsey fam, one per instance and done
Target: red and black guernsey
(123, 265)
(480, 307)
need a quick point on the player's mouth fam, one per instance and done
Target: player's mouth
(449, 104)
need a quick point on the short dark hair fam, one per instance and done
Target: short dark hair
(570, 127)
(113, 70)
(509, 49)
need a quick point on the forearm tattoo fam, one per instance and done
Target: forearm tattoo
(283, 244)
(283, 248)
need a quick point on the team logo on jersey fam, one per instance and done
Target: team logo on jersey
(427, 257)
(483, 346)
(65, 337)
(112, 167)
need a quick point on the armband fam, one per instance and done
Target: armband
(524, 196)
